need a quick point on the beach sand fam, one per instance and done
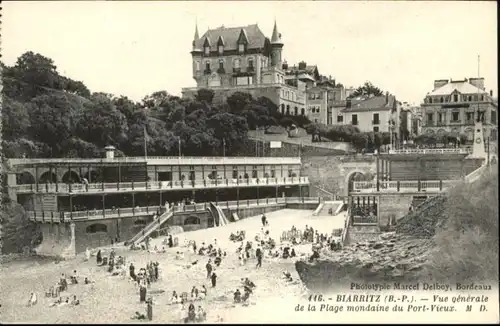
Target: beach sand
(113, 299)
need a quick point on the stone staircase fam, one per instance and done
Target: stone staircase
(150, 228)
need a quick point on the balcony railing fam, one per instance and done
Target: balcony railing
(429, 124)
(236, 70)
(157, 185)
(207, 71)
(455, 122)
(432, 151)
(403, 186)
(56, 217)
(469, 122)
(250, 69)
(221, 71)
(158, 160)
(375, 122)
(441, 123)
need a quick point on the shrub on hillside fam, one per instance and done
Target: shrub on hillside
(467, 240)
(18, 231)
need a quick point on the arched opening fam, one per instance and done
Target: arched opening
(296, 111)
(288, 110)
(192, 220)
(91, 176)
(357, 176)
(24, 178)
(302, 111)
(71, 177)
(282, 108)
(96, 228)
(48, 177)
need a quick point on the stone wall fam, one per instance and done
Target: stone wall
(393, 205)
(58, 241)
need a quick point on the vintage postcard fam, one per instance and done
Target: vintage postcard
(249, 162)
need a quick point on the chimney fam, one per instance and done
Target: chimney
(478, 82)
(348, 103)
(110, 152)
(386, 98)
(439, 83)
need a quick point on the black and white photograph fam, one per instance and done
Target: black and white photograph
(291, 162)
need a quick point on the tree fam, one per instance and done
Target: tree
(238, 101)
(205, 95)
(367, 89)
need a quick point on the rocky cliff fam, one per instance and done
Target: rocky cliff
(392, 256)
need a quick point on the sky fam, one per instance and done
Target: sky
(136, 48)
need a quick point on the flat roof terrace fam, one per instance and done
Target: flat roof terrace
(160, 160)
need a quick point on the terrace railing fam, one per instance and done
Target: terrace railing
(431, 151)
(77, 188)
(403, 186)
(60, 217)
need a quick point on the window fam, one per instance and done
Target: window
(250, 63)
(376, 120)
(354, 119)
(214, 172)
(221, 49)
(197, 65)
(441, 100)
(302, 111)
(296, 110)
(282, 108)
(340, 118)
(482, 97)
(96, 228)
(241, 47)
(430, 99)
(455, 98)
(244, 80)
(469, 116)
(207, 66)
(430, 117)
(440, 117)
(207, 50)
(236, 63)
(288, 109)
(273, 173)
(375, 129)
(455, 116)
(469, 98)
(221, 64)
(235, 172)
(254, 172)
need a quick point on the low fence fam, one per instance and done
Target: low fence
(431, 151)
(56, 217)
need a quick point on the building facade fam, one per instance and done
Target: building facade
(455, 105)
(372, 114)
(243, 59)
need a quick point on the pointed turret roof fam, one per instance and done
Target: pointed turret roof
(276, 38)
(196, 39)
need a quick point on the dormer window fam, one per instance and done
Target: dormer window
(455, 98)
(221, 49)
(207, 50)
(241, 48)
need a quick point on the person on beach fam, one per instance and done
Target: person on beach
(209, 269)
(99, 257)
(214, 279)
(132, 271)
(32, 300)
